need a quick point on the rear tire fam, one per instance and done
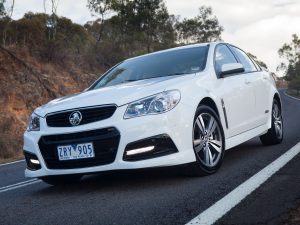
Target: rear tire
(275, 133)
(61, 180)
(208, 142)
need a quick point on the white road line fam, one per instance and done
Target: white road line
(224, 205)
(18, 185)
(5, 164)
(286, 94)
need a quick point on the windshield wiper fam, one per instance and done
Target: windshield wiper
(127, 81)
(174, 74)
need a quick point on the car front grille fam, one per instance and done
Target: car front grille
(89, 115)
(105, 142)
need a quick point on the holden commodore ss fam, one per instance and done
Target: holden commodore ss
(181, 106)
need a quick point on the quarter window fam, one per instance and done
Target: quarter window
(223, 56)
(244, 59)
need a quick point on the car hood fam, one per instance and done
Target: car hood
(119, 94)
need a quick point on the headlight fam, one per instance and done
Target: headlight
(155, 104)
(34, 123)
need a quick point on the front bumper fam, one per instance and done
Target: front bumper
(177, 124)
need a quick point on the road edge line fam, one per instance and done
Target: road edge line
(286, 94)
(18, 185)
(224, 205)
(9, 163)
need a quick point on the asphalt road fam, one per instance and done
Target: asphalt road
(163, 196)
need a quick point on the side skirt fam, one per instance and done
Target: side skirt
(243, 137)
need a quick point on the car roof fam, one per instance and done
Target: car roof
(177, 48)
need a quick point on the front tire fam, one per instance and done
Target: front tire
(275, 133)
(208, 142)
(61, 180)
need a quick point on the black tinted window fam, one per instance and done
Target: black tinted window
(223, 56)
(168, 63)
(244, 59)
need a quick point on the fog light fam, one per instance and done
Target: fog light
(151, 147)
(32, 161)
(35, 161)
(140, 150)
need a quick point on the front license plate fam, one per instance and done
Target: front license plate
(75, 151)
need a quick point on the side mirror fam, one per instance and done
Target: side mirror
(231, 68)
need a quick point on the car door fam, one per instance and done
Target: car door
(262, 93)
(236, 92)
(255, 79)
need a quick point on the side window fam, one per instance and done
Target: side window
(244, 59)
(256, 64)
(223, 56)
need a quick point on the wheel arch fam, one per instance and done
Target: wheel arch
(277, 97)
(216, 105)
(211, 103)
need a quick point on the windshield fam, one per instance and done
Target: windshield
(168, 63)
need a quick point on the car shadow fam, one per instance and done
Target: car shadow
(124, 179)
(143, 179)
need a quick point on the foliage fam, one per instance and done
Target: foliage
(141, 26)
(122, 29)
(135, 28)
(99, 7)
(151, 21)
(2, 8)
(6, 11)
(202, 28)
(72, 41)
(291, 53)
(6, 8)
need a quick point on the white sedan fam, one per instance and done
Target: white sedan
(181, 106)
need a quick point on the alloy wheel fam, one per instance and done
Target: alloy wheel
(207, 139)
(277, 118)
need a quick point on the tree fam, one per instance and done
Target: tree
(6, 11)
(2, 8)
(142, 26)
(202, 28)
(50, 8)
(153, 22)
(291, 53)
(6, 8)
(136, 27)
(100, 8)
